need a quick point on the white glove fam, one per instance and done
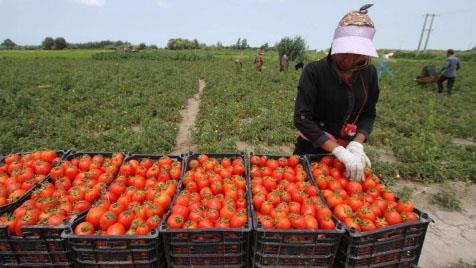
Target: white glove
(354, 168)
(358, 150)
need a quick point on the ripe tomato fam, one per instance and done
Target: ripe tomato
(282, 222)
(126, 217)
(311, 222)
(107, 219)
(142, 229)
(408, 216)
(405, 206)
(293, 160)
(393, 217)
(388, 196)
(353, 187)
(116, 229)
(153, 221)
(84, 228)
(56, 219)
(343, 211)
(380, 223)
(350, 223)
(326, 223)
(334, 199)
(365, 213)
(175, 221)
(367, 225)
(239, 219)
(266, 221)
(297, 221)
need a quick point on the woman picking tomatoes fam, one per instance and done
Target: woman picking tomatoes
(335, 104)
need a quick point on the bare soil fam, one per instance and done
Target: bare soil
(452, 237)
(135, 128)
(463, 142)
(184, 142)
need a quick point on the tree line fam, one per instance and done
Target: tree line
(293, 47)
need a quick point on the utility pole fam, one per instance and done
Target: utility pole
(429, 31)
(422, 32)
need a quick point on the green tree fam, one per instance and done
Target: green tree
(294, 48)
(60, 43)
(48, 43)
(237, 44)
(244, 44)
(180, 43)
(8, 44)
(142, 46)
(265, 46)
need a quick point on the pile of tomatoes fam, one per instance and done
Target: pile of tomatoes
(76, 185)
(214, 195)
(136, 200)
(19, 173)
(364, 205)
(284, 198)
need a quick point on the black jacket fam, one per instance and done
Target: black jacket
(323, 100)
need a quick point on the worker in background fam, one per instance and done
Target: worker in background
(449, 72)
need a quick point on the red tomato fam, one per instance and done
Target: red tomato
(84, 228)
(107, 219)
(116, 229)
(175, 221)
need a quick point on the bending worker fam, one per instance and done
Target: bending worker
(335, 104)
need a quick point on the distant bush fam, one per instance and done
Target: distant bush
(413, 55)
(466, 55)
(8, 44)
(154, 55)
(430, 55)
(294, 48)
(180, 43)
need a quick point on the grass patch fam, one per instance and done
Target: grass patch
(447, 199)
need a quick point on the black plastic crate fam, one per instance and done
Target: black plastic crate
(294, 248)
(125, 250)
(39, 245)
(208, 247)
(12, 205)
(114, 251)
(393, 246)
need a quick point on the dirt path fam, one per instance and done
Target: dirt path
(183, 142)
(453, 235)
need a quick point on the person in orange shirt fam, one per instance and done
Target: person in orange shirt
(259, 61)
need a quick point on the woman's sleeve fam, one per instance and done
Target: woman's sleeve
(303, 110)
(367, 117)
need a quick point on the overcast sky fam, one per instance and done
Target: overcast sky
(398, 23)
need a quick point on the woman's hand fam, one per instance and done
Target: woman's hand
(357, 149)
(354, 168)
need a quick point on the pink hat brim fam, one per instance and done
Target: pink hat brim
(354, 45)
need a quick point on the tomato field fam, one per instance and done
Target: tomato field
(94, 100)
